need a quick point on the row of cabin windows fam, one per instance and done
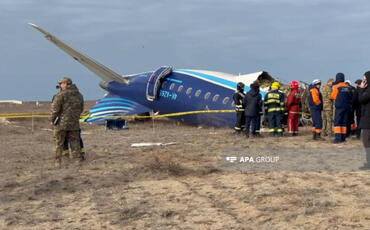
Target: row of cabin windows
(197, 93)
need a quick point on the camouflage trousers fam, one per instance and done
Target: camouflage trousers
(327, 122)
(73, 137)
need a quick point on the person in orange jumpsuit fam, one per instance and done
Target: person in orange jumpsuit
(293, 106)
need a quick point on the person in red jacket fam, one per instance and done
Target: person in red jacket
(292, 105)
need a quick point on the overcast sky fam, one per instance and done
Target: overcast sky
(290, 39)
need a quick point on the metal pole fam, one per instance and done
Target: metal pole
(153, 121)
(32, 123)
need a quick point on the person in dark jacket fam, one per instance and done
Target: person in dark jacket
(351, 125)
(358, 109)
(316, 107)
(342, 95)
(364, 100)
(253, 105)
(238, 98)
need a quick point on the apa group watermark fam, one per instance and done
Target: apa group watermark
(261, 159)
(253, 159)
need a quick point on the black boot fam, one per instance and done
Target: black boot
(314, 136)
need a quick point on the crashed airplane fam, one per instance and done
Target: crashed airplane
(165, 90)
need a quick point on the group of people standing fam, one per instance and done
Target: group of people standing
(333, 111)
(338, 104)
(250, 107)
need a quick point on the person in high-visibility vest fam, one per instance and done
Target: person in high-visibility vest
(275, 106)
(316, 106)
(238, 98)
(342, 95)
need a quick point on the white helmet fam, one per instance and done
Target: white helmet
(316, 81)
(348, 82)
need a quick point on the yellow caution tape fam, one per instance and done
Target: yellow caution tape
(84, 117)
(168, 114)
(24, 116)
(18, 114)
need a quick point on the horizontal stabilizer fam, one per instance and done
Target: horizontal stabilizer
(102, 71)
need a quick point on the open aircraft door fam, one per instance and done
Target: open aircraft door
(154, 82)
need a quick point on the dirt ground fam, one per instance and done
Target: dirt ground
(179, 186)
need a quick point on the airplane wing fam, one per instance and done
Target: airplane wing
(102, 71)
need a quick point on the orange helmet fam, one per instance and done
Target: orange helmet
(294, 84)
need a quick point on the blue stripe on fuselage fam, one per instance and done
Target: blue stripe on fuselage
(219, 80)
(116, 99)
(104, 104)
(109, 108)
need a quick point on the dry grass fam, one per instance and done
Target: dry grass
(169, 187)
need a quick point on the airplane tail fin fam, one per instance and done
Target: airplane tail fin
(102, 71)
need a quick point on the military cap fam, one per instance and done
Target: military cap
(65, 80)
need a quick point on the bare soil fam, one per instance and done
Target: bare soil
(179, 186)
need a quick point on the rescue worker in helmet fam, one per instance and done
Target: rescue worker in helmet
(316, 107)
(238, 98)
(275, 106)
(293, 105)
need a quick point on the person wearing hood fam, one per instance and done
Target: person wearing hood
(66, 109)
(364, 100)
(342, 95)
(238, 98)
(316, 106)
(275, 106)
(253, 106)
(293, 106)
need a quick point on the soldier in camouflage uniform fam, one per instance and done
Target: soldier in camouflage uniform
(328, 107)
(65, 115)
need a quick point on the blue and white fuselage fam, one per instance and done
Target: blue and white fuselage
(179, 90)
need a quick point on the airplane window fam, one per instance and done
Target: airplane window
(215, 98)
(188, 91)
(197, 93)
(226, 100)
(233, 103)
(172, 86)
(207, 95)
(180, 88)
(164, 84)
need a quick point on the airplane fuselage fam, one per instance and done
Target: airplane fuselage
(183, 91)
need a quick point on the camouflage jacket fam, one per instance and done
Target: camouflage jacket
(326, 94)
(66, 108)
